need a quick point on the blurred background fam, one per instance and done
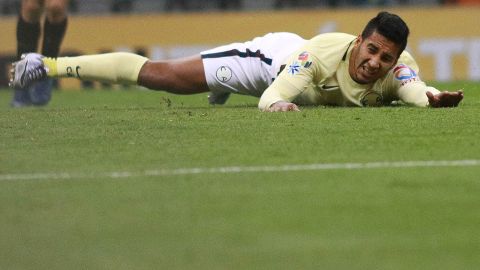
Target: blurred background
(86, 7)
(445, 34)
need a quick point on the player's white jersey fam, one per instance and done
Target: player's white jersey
(317, 74)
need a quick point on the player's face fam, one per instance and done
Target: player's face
(372, 58)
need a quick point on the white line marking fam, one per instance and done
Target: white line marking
(243, 169)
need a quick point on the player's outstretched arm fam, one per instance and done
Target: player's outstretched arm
(444, 99)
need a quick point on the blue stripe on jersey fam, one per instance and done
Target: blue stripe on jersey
(236, 52)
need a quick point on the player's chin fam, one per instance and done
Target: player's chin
(365, 78)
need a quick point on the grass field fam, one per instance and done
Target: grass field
(145, 180)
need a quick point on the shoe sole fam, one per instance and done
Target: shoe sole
(14, 81)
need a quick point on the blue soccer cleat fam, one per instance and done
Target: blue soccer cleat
(41, 92)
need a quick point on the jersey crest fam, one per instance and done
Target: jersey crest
(371, 99)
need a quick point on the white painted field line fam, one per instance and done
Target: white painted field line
(243, 169)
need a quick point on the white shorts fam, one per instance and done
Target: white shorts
(248, 68)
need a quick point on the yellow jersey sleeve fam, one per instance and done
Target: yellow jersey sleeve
(405, 84)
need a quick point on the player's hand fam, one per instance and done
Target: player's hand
(283, 106)
(445, 99)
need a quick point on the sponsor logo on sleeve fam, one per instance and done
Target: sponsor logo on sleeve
(294, 68)
(303, 61)
(405, 74)
(303, 58)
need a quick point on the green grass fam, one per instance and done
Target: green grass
(383, 218)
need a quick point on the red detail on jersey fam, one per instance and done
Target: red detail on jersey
(303, 56)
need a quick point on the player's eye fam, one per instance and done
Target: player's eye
(372, 50)
(387, 58)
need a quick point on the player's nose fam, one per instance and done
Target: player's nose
(374, 63)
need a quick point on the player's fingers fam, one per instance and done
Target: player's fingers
(294, 108)
(273, 108)
(451, 99)
(286, 108)
(429, 95)
(281, 109)
(432, 99)
(458, 98)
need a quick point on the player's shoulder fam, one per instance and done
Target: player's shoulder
(406, 56)
(330, 43)
(334, 37)
(406, 59)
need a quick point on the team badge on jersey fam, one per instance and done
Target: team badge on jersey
(301, 62)
(405, 74)
(371, 99)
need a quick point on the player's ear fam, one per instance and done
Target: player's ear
(358, 40)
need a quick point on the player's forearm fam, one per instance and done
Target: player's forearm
(280, 90)
(415, 94)
(269, 97)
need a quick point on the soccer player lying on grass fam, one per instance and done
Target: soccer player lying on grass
(282, 69)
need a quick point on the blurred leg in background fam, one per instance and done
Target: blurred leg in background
(229, 4)
(181, 5)
(29, 28)
(121, 6)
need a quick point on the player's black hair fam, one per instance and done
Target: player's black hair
(390, 26)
